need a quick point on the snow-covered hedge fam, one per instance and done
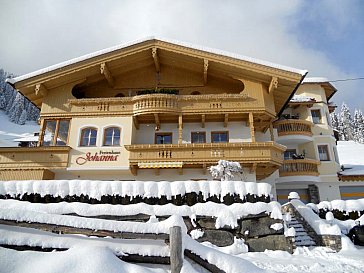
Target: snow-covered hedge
(129, 192)
(341, 209)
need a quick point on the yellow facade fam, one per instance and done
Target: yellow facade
(136, 112)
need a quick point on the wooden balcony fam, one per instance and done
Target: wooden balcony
(266, 157)
(16, 158)
(293, 127)
(232, 104)
(299, 167)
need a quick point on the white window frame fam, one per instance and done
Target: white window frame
(316, 109)
(329, 153)
(80, 134)
(104, 135)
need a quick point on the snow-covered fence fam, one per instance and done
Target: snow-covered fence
(168, 230)
(132, 192)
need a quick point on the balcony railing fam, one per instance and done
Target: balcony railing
(293, 127)
(16, 158)
(166, 103)
(293, 167)
(207, 153)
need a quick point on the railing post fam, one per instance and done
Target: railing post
(175, 245)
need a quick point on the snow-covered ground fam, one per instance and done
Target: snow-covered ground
(351, 155)
(10, 131)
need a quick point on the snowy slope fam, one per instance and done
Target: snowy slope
(351, 155)
(10, 131)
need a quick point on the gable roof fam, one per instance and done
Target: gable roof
(151, 38)
(140, 52)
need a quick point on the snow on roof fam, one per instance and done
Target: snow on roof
(301, 98)
(315, 80)
(179, 43)
(351, 156)
(27, 139)
(97, 188)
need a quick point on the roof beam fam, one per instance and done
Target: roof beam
(106, 72)
(156, 59)
(205, 68)
(273, 84)
(40, 90)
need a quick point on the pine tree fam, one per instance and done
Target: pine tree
(345, 125)
(334, 121)
(23, 117)
(358, 124)
(17, 108)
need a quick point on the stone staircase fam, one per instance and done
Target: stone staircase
(301, 238)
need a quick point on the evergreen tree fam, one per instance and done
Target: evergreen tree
(334, 121)
(345, 124)
(358, 124)
(23, 117)
(17, 108)
(13, 102)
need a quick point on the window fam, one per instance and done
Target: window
(288, 154)
(219, 137)
(112, 136)
(195, 93)
(55, 132)
(323, 151)
(316, 116)
(163, 138)
(88, 137)
(198, 137)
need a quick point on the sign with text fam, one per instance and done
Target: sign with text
(98, 156)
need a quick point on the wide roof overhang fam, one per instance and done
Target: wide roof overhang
(160, 52)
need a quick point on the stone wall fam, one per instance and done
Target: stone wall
(254, 229)
(331, 241)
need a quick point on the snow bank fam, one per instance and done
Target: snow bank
(78, 259)
(96, 188)
(341, 205)
(351, 155)
(320, 226)
(229, 263)
(225, 215)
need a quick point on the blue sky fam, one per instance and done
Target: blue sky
(325, 37)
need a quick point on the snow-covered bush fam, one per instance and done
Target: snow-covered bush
(226, 170)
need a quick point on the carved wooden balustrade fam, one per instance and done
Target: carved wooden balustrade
(293, 127)
(167, 103)
(207, 153)
(292, 167)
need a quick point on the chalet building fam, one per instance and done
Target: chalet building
(164, 110)
(311, 162)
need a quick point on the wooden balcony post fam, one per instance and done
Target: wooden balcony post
(41, 133)
(180, 126)
(251, 125)
(271, 132)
